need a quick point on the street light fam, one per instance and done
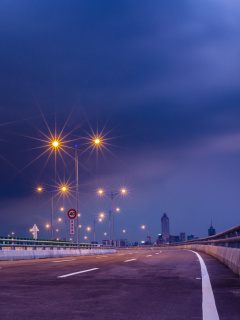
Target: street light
(124, 231)
(55, 143)
(61, 189)
(100, 219)
(143, 227)
(112, 195)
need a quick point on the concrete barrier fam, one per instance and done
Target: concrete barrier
(43, 254)
(228, 256)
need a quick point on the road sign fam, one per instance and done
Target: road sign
(72, 213)
(35, 231)
(71, 226)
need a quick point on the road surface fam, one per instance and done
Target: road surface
(128, 285)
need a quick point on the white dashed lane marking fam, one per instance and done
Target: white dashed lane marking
(74, 273)
(129, 260)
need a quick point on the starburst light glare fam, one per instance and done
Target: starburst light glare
(39, 189)
(55, 143)
(64, 188)
(97, 141)
(100, 191)
(102, 215)
(123, 191)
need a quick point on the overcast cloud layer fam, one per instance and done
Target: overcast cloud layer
(164, 74)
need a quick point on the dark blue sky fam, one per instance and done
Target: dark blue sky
(163, 75)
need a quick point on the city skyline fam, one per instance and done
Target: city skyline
(163, 85)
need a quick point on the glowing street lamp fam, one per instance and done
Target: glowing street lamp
(100, 191)
(124, 231)
(61, 209)
(55, 143)
(39, 189)
(64, 188)
(97, 141)
(112, 195)
(60, 219)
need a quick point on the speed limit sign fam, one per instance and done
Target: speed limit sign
(72, 213)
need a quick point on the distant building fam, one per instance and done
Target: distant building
(174, 239)
(182, 237)
(165, 228)
(123, 243)
(190, 237)
(211, 231)
(149, 240)
(159, 239)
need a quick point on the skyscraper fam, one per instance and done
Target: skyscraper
(211, 231)
(165, 228)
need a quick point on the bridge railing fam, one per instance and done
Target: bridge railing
(7, 243)
(229, 238)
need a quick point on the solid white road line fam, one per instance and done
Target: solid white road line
(129, 260)
(209, 308)
(149, 255)
(72, 274)
(64, 260)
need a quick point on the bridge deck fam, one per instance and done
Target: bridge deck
(127, 285)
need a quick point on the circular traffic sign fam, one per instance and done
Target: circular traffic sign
(72, 213)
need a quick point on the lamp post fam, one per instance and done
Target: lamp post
(76, 176)
(112, 195)
(62, 189)
(124, 231)
(143, 227)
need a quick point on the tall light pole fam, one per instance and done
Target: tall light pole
(112, 195)
(62, 189)
(51, 214)
(76, 173)
(124, 231)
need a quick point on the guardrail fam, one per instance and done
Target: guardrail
(34, 244)
(229, 238)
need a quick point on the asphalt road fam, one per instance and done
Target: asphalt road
(134, 285)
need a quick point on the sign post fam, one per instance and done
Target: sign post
(72, 213)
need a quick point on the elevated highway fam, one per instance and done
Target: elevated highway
(130, 284)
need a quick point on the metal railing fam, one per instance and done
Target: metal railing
(35, 244)
(229, 238)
